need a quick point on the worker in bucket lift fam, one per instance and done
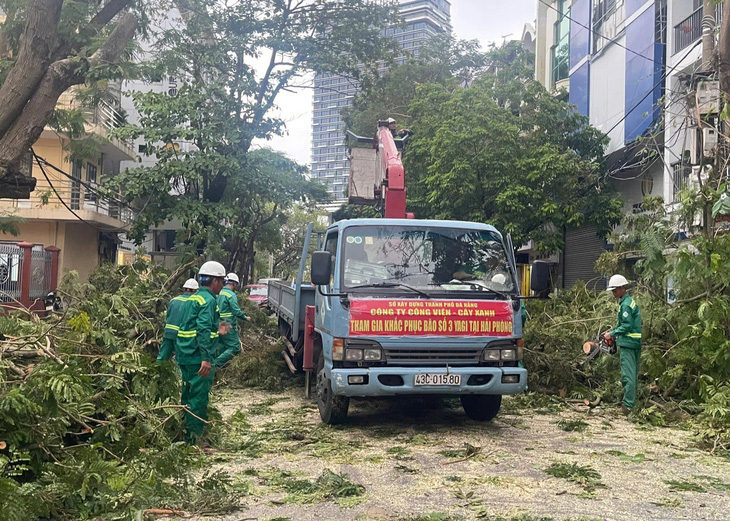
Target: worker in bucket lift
(628, 338)
(402, 133)
(173, 317)
(229, 345)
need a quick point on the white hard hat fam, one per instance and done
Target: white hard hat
(191, 284)
(499, 278)
(390, 120)
(616, 281)
(212, 269)
(232, 277)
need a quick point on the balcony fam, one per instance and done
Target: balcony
(71, 196)
(689, 30)
(101, 120)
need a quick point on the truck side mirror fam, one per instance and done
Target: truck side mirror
(540, 278)
(321, 268)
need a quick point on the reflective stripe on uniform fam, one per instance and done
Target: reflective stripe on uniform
(172, 326)
(633, 335)
(197, 298)
(226, 315)
(182, 299)
(214, 335)
(633, 304)
(187, 334)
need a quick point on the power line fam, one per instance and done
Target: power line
(43, 170)
(651, 91)
(593, 31)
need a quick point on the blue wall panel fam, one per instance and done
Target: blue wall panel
(580, 41)
(580, 88)
(643, 71)
(633, 5)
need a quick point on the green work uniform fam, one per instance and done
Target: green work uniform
(628, 338)
(172, 326)
(229, 345)
(197, 342)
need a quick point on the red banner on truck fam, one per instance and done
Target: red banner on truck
(370, 317)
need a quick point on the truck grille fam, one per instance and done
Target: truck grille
(432, 356)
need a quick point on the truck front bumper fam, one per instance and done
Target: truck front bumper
(392, 381)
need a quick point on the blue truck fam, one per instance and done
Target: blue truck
(407, 307)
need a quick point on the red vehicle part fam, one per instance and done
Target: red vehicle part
(309, 335)
(394, 184)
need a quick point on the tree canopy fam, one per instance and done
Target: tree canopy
(202, 136)
(490, 144)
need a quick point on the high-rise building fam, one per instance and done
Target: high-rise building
(424, 19)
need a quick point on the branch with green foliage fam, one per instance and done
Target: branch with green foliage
(500, 150)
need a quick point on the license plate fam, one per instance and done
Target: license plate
(437, 379)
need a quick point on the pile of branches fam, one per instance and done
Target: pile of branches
(89, 423)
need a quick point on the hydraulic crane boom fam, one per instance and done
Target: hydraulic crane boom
(379, 179)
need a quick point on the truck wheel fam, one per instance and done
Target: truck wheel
(332, 409)
(481, 407)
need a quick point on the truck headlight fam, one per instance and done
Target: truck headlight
(509, 354)
(353, 355)
(491, 355)
(372, 355)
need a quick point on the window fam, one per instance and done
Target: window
(330, 245)
(680, 178)
(607, 15)
(431, 259)
(560, 52)
(90, 192)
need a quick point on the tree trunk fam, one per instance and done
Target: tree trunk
(34, 56)
(24, 127)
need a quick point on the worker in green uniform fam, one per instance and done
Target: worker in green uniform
(229, 344)
(172, 323)
(628, 337)
(196, 347)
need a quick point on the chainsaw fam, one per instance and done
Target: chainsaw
(601, 345)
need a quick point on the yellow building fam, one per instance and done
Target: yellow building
(66, 210)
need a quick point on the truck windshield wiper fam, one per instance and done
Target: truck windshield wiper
(391, 285)
(476, 286)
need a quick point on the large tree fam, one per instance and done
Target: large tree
(233, 60)
(50, 46)
(499, 149)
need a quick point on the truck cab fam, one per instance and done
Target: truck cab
(406, 306)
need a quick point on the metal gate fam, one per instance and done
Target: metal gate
(11, 267)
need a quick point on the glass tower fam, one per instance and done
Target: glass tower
(423, 19)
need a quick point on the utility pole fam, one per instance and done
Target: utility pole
(708, 34)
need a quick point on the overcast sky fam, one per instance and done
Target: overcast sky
(484, 20)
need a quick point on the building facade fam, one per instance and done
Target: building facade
(633, 67)
(423, 19)
(66, 210)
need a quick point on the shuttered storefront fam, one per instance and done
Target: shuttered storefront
(582, 249)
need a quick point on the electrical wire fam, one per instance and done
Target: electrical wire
(100, 228)
(596, 33)
(649, 93)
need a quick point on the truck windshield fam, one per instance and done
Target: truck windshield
(426, 258)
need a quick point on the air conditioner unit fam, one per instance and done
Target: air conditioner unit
(709, 139)
(708, 97)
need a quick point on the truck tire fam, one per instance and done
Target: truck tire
(481, 407)
(332, 409)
